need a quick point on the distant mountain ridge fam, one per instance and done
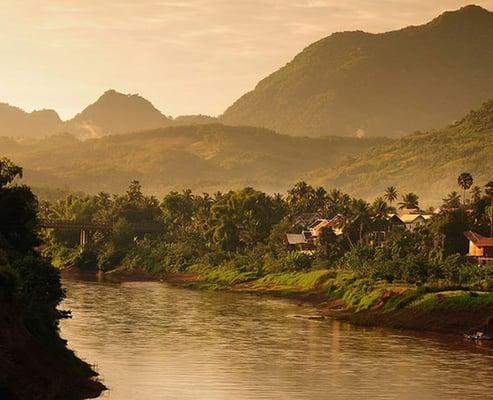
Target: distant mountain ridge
(112, 113)
(357, 83)
(16, 122)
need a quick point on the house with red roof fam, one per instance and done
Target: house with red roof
(480, 247)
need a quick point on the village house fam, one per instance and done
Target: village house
(409, 221)
(307, 240)
(480, 247)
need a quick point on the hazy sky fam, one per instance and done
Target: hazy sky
(186, 56)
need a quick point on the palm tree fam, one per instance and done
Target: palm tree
(409, 200)
(476, 193)
(452, 201)
(360, 216)
(380, 213)
(465, 181)
(391, 194)
(488, 189)
(380, 208)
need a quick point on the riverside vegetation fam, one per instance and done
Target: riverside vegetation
(418, 279)
(34, 361)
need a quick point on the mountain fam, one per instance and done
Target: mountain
(201, 157)
(357, 83)
(112, 113)
(194, 120)
(116, 113)
(427, 163)
(17, 122)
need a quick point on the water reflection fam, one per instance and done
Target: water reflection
(152, 341)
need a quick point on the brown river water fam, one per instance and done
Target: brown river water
(153, 341)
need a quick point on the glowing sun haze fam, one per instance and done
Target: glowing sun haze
(186, 56)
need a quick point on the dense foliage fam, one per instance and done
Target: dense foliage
(27, 281)
(244, 233)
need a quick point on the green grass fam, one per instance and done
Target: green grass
(228, 276)
(299, 280)
(453, 299)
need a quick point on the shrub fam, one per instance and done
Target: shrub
(297, 261)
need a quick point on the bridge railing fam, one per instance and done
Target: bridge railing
(144, 227)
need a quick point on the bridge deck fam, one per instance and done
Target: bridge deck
(89, 226)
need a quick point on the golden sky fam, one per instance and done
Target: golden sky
(186, 56)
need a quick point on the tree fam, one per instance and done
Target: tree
(488, 189)
(409, 200)
(465, 181)
(303, 198)
(8, 172)
(380, 213)
(476, 193)
(360, 217)
(391, 194)
(452, 201)
(18, 210)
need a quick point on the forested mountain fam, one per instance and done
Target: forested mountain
(112, 113)
(357, 83)
(426, 163)
(201, 157)
(115, 113)
(17, 122)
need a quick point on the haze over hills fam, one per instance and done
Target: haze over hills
(115, 113)
(355, 83)
(17, 122)
(426, 163)
(201, 157)
(350, 83)
(111, 113)
(217, 157)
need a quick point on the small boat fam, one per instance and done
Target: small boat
(478, 336)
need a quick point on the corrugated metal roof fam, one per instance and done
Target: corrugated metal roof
(296, 238)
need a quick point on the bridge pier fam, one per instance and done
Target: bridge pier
(84, 237)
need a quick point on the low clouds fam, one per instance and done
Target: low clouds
(187, 56)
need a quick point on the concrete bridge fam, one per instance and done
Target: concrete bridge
(85, 228)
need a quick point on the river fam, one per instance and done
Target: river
(153, 341)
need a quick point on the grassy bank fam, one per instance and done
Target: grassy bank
(362, 301)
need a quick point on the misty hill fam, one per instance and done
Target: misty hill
(194, 120)
(115, 113)
(426, 163)
(387, 84)
(201, 157)
(112, 113)
(17, 122)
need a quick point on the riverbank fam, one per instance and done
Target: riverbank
(32, 370)
(341, 295)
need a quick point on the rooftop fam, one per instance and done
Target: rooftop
(479, 240)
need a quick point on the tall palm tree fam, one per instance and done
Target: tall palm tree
(391, 194)
(465, 181)
(409, 200)
(360, 217)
